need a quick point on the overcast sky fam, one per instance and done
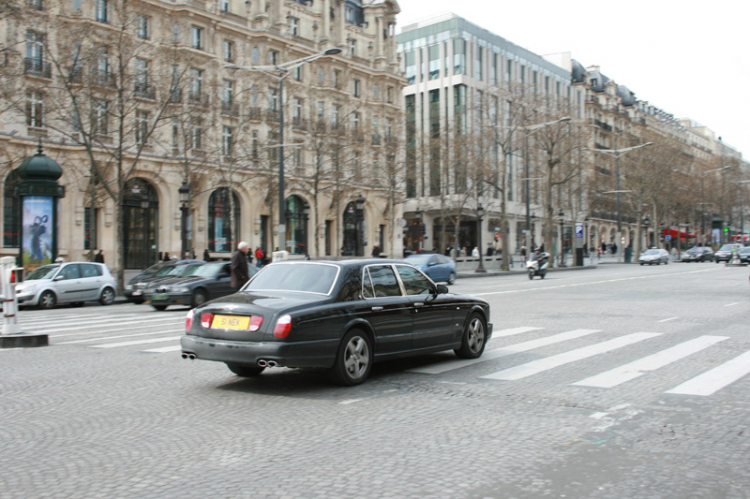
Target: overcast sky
(690, 58)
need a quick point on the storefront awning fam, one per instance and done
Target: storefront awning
(673, 233)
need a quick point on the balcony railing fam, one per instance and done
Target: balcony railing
(37, 67)
(145, 91)
(198, 99)
(103, 79)
(375, 139)
(272, 116)
(254, 113)
(299, 123)
(175, 96)
(229, 109)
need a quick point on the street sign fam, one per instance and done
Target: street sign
(668, 238)
(579, 230)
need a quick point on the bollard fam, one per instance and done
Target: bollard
(10, 306)
(12, 335)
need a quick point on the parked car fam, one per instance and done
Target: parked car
(654, 256)
(724, 254)
(438, 267)
(698, 254)
(744, 254)
(135, 286)
(343, 316)
(193, 287)
(72, 282)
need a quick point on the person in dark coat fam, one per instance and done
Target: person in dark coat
(239, 266)
(206, 256)
(99, 258)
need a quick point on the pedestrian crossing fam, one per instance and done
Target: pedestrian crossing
(702, 384)
(145, 331)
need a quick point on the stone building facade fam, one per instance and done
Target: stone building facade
(138, 99)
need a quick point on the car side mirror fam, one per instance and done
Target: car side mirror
(223, 274)
(442, 289)
(58, 278)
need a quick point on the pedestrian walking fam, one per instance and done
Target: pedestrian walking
(99, 258)
(206, 256)
(239, 266)
(259, 257)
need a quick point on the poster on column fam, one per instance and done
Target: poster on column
(37, 231)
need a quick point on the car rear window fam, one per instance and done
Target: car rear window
(303, 277)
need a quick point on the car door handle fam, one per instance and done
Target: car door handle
(377, 309)
(419, 304)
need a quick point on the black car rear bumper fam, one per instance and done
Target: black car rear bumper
(298, 354)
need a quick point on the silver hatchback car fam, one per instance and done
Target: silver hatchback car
(73, 282)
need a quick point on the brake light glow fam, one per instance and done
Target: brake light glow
(189, 321)
(283, 326)
(206, 320)
(255, 322)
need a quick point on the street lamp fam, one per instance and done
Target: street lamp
(561, 215)
(360, 202)
(418, 214)
(184, 192)
(280, 72)
(530, 129)
(646, 223)
(480, 214)
(306, 217)
(616, 153)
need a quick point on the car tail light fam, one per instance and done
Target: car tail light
(206, 320)
(189, 321)
(255, 322)
(283, 326)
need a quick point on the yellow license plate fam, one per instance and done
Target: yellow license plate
(230, 322)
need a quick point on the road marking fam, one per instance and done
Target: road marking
(667, 320)
(730, 304)
(89, 324)
(588, 283)
(653, 362)
(503, 352)
(541, 365)
(513, 331)
(139, 342)
(717, 378)
(107, 338)
(174, 348)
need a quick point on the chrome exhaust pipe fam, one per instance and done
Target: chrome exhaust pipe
(272, 363)
(184, 356)
(262, 363)
(191, 356)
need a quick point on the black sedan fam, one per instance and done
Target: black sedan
(197, 285)
(343, 316)
(135, 286)
(699, 254)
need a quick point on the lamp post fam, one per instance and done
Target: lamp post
(280, 72)
(531, 129)
(646, 223)
(480, 214)
(418, 214)
(561, 215)
(360, 202)
(616, 153)
(306, 217)
(184, 192)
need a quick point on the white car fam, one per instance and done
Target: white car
(654, 256)
(72, 282)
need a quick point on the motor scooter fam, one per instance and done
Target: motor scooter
(537, 264)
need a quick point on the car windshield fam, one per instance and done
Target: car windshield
(651, 252)
(45, 272)
(745, 250)
(695, 251)
(304, 277)
(208, 270)
(727, 247)
(418, 259)
(179, 270)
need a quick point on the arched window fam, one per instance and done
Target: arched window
(11, 212)
(296, 225)
(354, 229)
(223, 236)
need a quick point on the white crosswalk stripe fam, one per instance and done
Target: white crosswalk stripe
(653, 362)
(717, 378)
(538, 366)
(503, 352)
(138, 342)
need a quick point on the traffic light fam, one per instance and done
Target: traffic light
(423, 228)
(726, 229)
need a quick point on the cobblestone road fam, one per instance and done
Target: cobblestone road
(619, 381)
